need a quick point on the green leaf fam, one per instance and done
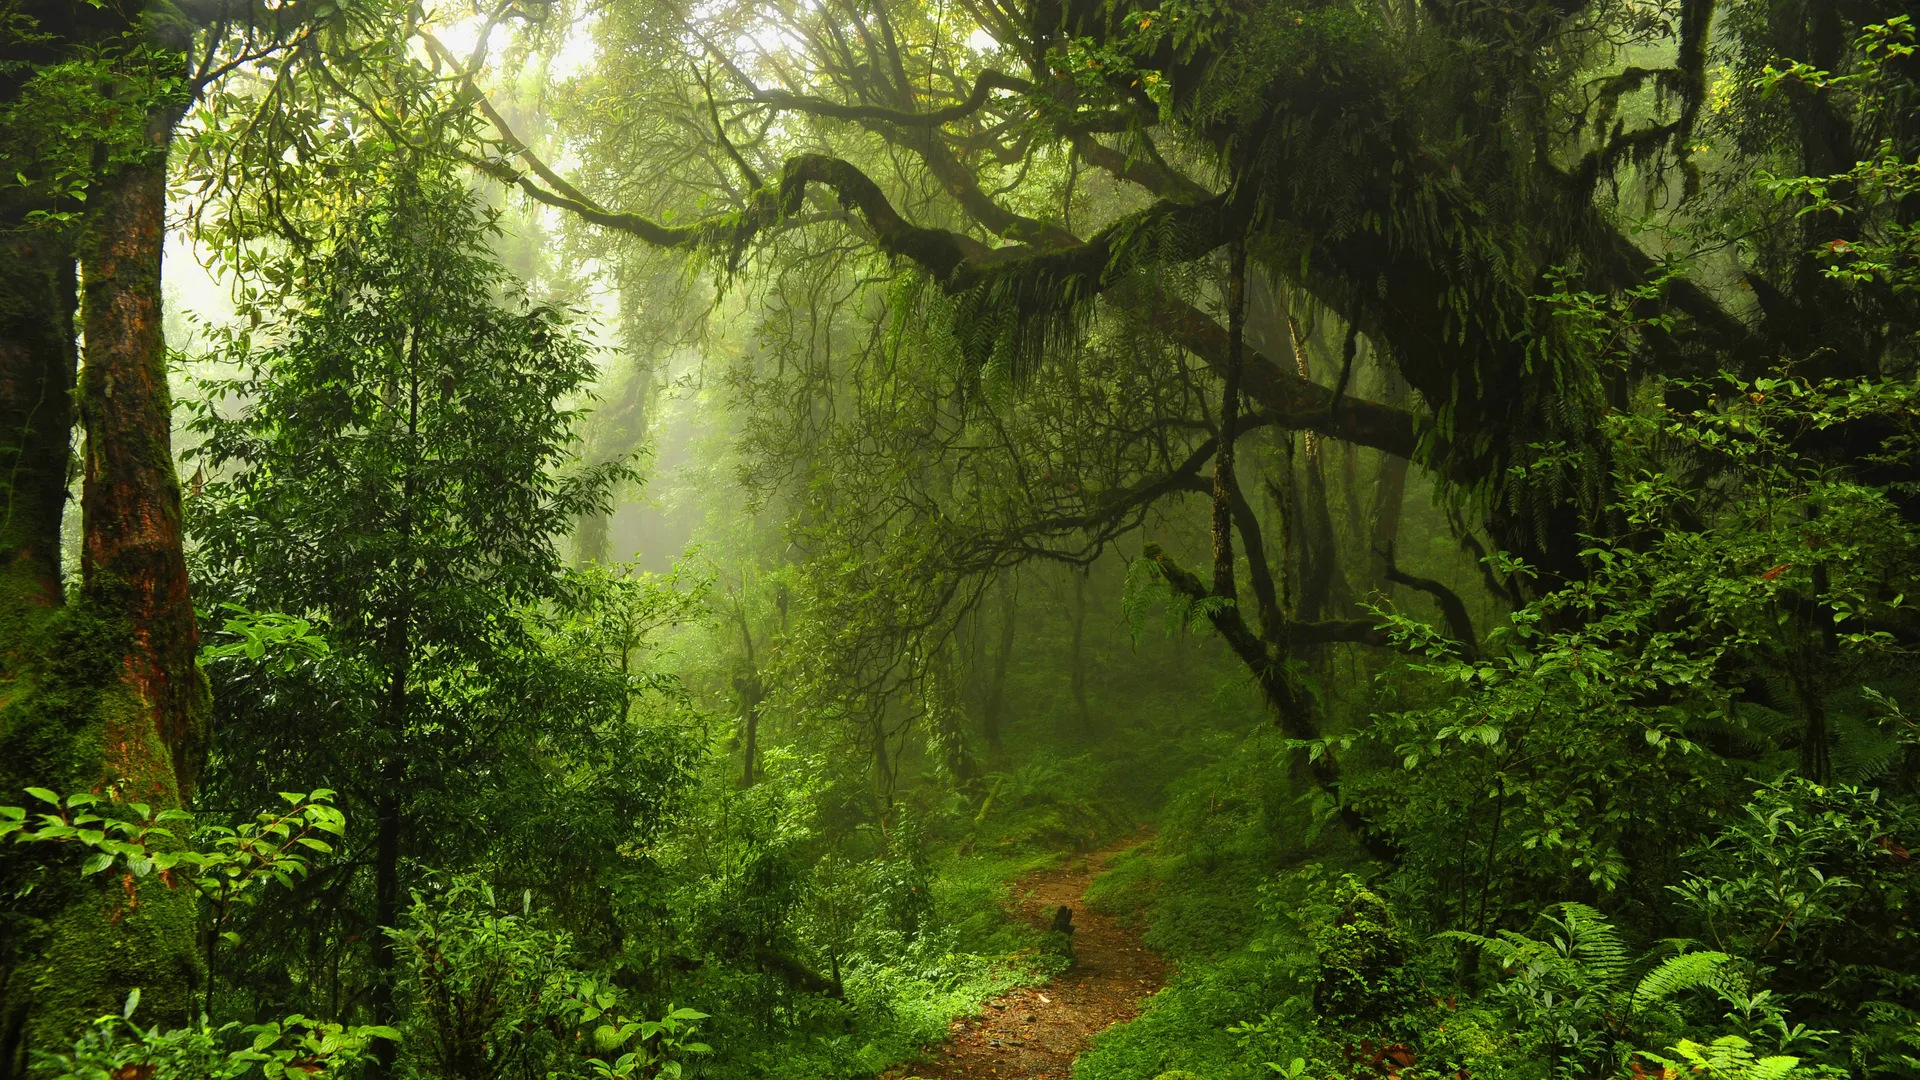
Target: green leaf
(95, 864)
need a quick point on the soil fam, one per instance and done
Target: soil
(1036, 1032)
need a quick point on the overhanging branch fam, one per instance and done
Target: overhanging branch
(983, 86)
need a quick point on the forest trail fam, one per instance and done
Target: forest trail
(1036, 1032)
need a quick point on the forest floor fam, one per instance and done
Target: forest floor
(1036, 1032)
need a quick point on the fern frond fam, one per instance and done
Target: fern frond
(1510, 948)
(1688, 971)
(1144, 585)
(1594, 944)
(1773, 1067)
(1863, 753)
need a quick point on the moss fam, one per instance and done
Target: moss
(112, 935)
(72, 948)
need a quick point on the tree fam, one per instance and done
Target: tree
(395, 469)
(1402, 169)
(104, 695)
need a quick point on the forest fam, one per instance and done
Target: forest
(959, 539)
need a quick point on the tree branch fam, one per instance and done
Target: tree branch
(1452, 608)
(986, 83)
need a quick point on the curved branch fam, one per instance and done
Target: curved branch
(962, 264)
(987, 82)
(1452, 608)
(1300, 404)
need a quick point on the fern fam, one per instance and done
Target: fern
(1581, 953)
(1729, 1057)
(1593, 945)
(1510, 949)
(1144, 585)
(1676, 974)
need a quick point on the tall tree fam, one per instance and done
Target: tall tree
(396, 468)
(105, 696)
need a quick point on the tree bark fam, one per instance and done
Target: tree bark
(1389, 497)
(389, 823)
(946, 729)
(38, 365)
(132, 558)
(113, 700)
(752, 693)
(1078, 659)
(993, 713)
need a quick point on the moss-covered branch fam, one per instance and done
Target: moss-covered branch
(983, 86)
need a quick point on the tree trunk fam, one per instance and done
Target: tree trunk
(1389, 501)
(1078, 660)
(946, 731)
(620, 429)
(132, 558)
(390, 813)
(37, 744)
(752, 693)
(118, 703)
(882, 761)
(993, 714)
(37, 369)
(1389, 496)
(388, 825)
(1321, 584)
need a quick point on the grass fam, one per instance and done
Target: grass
(1229, 829)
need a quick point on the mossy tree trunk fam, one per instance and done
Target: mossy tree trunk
(133, 559)
(1077, 650)
(37, 367)
(108, 697)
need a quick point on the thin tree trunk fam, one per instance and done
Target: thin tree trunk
(1322, 586)
(389, 829)
(882, 761)
(1078, 660)
(946, 729)
(752, 692)
(390, 814)
(1389, 500)
(622, 427)
(1223, 478)
(1319, 554)
(386, 904)
(1390, 494)
(993, 715)
(750, 769)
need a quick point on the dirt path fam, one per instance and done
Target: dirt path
(1037, 1032)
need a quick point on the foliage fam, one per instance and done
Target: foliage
(496, 994)
(1588, 326)
(115, 1046)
